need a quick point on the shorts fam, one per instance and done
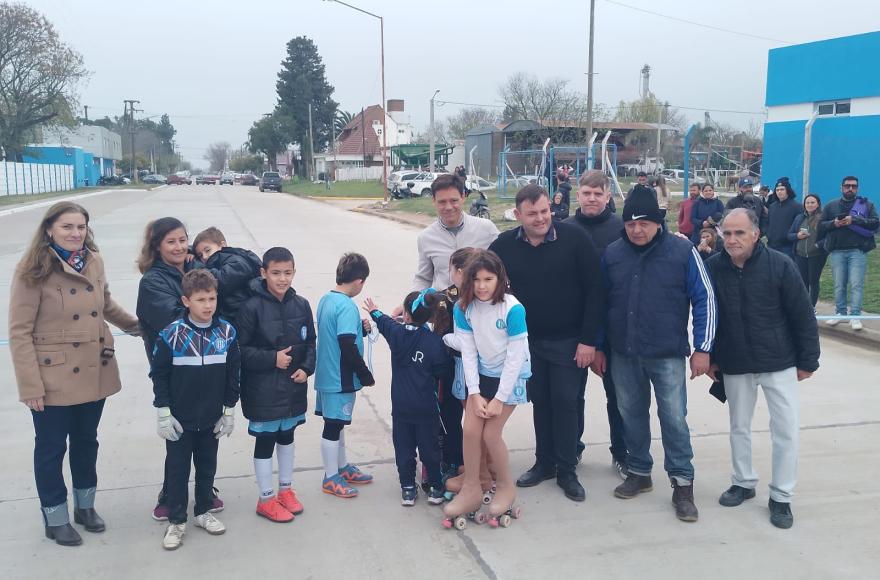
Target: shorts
(459, 389)
(489, 388)
(335, 406)
(257, 428)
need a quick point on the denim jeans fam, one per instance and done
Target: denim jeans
(848, 268)
(633, 377)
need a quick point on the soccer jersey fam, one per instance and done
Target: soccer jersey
(337, 316)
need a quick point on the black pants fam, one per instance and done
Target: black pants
(53, 427)
(554, 391)
(811, 270)
(615, 422)
(450, 413)
(200, 449)
(409, 436)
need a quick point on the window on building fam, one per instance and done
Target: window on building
(833, 108)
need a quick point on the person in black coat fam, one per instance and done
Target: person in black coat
(277, 336)
(706, 211)
(234, 269)
(558, 208)
(780, 217)
(767, 336)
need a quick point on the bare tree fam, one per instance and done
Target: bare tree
(468, 118)
(38, 76)
(217, 155)
(527, 97)
(441, 133)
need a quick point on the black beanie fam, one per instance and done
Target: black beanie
(641, 204)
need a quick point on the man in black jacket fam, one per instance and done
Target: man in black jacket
(849, 225)
(594, 215)
(766, 336)
(562, 341)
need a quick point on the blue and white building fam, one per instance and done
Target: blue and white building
(837, 81)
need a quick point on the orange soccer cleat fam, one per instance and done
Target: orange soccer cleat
(287, 498)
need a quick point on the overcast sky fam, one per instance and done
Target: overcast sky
(212, 65)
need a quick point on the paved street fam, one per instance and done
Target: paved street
(837, 513)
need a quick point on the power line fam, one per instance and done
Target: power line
(700, 24)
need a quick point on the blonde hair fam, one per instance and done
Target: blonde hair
(39, 261)
(154, 233)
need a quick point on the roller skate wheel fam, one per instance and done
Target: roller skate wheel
(493, 489)
(481, 517)
(516, 512)
(460, 523)
(487, 498)
(504, 521)
(447, 523)
(448, 496)
(493, 522)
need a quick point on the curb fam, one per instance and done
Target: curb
(865, 338)
(391, 217)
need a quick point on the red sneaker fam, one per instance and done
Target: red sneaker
(287, 498)
(272, 510)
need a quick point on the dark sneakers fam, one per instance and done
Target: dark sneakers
(780, 514)
(735, 495)
(633, 486)
(683, 501)
(536, 475)
(571, 486)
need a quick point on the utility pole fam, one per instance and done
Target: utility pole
(659, 121)
(590, 80)
(432, 137)
(363, 146)
(86, 107)
(311, 148)
(129, 107)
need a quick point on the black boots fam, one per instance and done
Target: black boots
(536, 475)
(64, 535)
(683, 501)
(571, 486)
(633, 486)
(735, 495)
(780, 514)
(89, 518)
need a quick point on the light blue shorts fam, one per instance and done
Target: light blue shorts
(256, 428)
(519, 394)
(459, 390)
(335, 406)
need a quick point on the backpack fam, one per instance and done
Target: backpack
(860, 209)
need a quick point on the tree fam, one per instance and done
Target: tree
(441, 134)
(342, 119)
(469, 118)
(38, 76)
(165, 131)
(527, 97)
(247, 163)
(302, 82)
(268, 136)
(217, 155)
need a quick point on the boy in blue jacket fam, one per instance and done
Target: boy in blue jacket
(195, 372)
(419, 360)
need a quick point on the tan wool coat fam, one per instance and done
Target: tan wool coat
(62, 348)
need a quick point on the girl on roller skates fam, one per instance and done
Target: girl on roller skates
(490, 328)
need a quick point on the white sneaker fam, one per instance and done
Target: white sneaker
(832, 321)
(855, 324)
(174, 536)
(210, 524)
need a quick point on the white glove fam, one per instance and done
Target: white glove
(226, 423)
(168, 427)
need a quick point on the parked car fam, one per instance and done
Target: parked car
(227, 177)
(207, 179)
(270, 180)
(113, 180)
(178, 180)
(250, 179)
(422, 182)
(479, 184)
(155, 178)
(402, 176)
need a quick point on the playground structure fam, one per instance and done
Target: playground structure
(518, 168)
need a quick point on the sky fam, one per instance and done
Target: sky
(212, 66)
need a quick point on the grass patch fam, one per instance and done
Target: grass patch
(364, 189)
(871, 294)
(424, 206)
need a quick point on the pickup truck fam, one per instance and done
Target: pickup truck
(270, 180)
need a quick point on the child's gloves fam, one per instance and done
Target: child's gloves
(168, 427)
(226, 423)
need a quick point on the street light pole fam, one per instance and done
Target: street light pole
(384, 102)
(590, 79)
(432, 137)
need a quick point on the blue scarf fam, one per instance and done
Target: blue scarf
(76, 258)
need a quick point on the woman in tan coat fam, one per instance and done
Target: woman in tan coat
(62, 351)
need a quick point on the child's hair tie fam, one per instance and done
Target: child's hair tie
(420, 299)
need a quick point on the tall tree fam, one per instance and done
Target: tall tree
(469, 118)
(217, 155)
(342, 119)
(165, 131)
(302, 82)
(38, 76)
(267, 136)
(526, 96)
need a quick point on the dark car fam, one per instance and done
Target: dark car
(227, 178)
(207, 179)
(154, 178)
(178, 180)
(270, 180)
(249, 179)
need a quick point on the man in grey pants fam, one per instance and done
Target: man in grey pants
(767, 336)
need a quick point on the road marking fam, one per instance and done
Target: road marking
(54, 200)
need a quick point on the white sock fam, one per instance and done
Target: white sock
(342, 459)
(284, 453)
(263, 469)
(330, 455)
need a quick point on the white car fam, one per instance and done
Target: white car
(477, 183)
(402, 176)
(422, 182)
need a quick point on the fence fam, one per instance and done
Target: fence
(359, 173)
(31, 178)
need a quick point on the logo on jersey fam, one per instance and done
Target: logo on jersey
(418, 357)
(304, 332)
(220, 344)
(500, 324)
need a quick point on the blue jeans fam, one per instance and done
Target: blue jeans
(633, 377)
(848, 268)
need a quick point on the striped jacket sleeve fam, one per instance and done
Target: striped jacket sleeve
(703, 303)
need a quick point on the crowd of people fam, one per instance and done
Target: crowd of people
(479, 333)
